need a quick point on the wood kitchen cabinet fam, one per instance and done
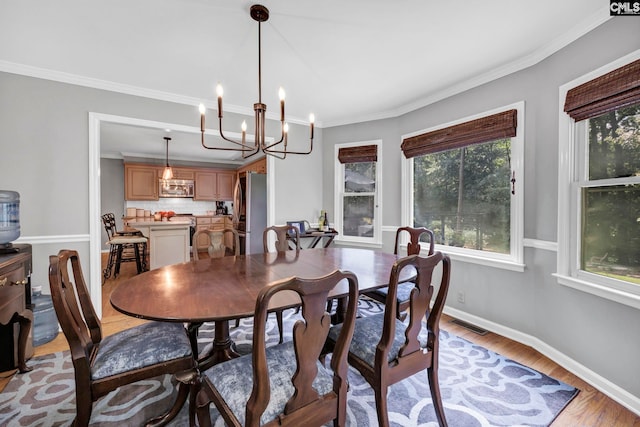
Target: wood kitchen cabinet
(183, 173)
(140, 182)
(257, 166)
(212, 185)
(226, 182)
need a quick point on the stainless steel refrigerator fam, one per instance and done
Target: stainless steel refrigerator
(250, 202)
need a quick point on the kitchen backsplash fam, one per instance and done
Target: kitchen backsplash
(178, 205)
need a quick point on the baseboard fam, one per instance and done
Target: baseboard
(605, 386)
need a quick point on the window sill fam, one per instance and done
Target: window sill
(616, 295)
(489, 262)
(358, 244)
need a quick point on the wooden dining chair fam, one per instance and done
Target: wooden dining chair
(285, 384)
(281, 244)
(217, 247)
(282, 233)
(403, 348)
(404, 289)
(103, 364)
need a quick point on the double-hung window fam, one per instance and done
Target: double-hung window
(599, 209)
(357, 192)
(464, 182)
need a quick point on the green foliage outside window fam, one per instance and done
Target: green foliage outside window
(611, 211)
(464, 196)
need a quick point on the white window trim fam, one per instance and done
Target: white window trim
(338, 190)
(568, 268)
(513, 261)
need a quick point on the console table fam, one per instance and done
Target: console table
(15, 307)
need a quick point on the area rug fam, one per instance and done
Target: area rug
(479, 388)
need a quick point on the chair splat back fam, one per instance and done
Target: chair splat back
(313, 395)
(80, 324)
(282, 242)
(413, 248)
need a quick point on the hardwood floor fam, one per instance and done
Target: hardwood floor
(589, 408)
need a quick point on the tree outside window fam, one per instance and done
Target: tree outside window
(464, 196)
(610, 193)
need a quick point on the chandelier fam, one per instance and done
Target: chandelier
(278, 148)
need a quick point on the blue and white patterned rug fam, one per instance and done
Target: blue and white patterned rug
(479, 388)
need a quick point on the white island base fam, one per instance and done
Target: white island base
(168, 241)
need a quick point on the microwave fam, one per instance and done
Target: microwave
(175, 188)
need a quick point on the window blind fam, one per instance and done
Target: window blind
(489, 128)
(364, 153)
(616, 89)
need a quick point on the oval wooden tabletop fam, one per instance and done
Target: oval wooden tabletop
(226, 288)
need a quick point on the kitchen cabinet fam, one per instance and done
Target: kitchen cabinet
(257, 166)
(168, 241)
(226, 181)
(140, 182)
(211, 185)
(183, 173)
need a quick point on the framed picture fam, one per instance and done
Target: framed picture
(299, 225)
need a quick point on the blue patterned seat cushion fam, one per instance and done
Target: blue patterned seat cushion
(140, 346)
(231, 379)
(404, 291)
(366, 336)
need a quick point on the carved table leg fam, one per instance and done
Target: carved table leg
(223, 347)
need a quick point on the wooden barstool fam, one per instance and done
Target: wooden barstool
(124, 246)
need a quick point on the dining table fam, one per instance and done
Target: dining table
(223, 289)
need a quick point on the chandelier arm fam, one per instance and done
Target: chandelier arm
(255, 151)
(270, 151)
(244, 148)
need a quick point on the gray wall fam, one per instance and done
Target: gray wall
(592, 334)
(45, 157)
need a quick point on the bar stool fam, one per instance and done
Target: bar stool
(124, 246)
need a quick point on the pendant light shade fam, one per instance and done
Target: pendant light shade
(168, 172)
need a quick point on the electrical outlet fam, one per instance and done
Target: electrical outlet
(461, 297)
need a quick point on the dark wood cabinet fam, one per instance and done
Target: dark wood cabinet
(16, 317)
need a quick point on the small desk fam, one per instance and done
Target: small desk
(317, 236)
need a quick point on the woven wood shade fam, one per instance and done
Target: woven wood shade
(619, 88)
(496, 126)
(365, 153)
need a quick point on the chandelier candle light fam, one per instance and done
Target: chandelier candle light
(277, 149)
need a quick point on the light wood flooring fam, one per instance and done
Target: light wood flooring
(590, 408)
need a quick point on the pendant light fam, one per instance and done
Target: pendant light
(168, 172)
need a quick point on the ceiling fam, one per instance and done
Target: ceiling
(344, 61)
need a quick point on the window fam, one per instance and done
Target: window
(600, 249)
(465, 184)
(357, 192)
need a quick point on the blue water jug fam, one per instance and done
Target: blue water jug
(45, 322)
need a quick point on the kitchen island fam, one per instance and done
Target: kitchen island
(168, 240)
